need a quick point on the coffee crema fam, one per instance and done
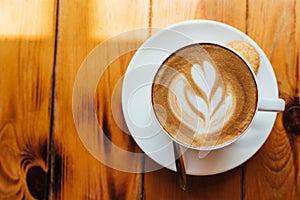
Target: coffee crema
(204, 95)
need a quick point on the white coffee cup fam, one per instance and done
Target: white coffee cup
(262, 104)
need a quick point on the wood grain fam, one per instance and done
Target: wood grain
(163, 184)
(232, 12)
(82, 176)
(41, 154)
(26, 64)
(273, 172)
(297, 34)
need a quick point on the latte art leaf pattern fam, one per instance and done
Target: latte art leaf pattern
(201, 103)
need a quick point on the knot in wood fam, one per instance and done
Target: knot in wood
(291, 117)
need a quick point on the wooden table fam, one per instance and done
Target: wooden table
(42, 45)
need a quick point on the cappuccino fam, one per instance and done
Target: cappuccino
(204, 95)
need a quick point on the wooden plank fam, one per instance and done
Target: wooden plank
(167, 12)
(298, 44)
(27, 33)
(77, 174)
(163, 184)
(273, 172)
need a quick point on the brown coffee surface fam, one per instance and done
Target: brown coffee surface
(204, 95)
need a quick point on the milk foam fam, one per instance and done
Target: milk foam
(206, 108)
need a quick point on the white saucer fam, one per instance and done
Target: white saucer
(136, 99)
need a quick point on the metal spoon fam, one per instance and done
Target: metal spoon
(179, 162)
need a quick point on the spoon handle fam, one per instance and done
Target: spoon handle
(179, 162)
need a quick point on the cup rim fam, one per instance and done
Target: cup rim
(216, 147)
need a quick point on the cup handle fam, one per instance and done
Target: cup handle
(269, 104)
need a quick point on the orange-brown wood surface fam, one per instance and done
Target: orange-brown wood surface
(273, 172)
(26, 72)
(43, 44)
